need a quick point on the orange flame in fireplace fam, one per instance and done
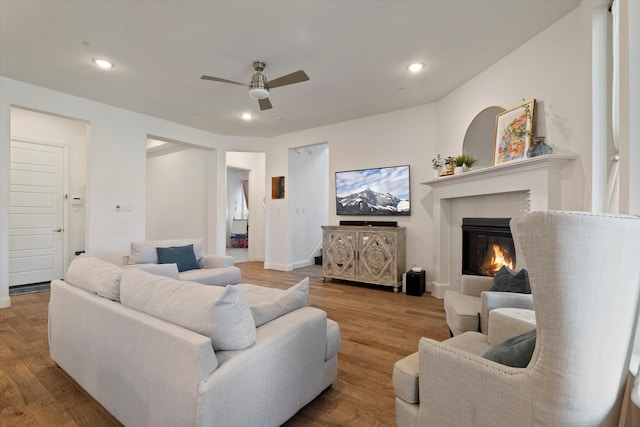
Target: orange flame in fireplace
(498, 259)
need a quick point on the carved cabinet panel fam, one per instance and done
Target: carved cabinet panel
(364, 254)
(339, 254)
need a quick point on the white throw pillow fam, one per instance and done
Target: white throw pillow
(144, 252)
(95, 275)
(269, 303)
(217, 312)
(166, 270)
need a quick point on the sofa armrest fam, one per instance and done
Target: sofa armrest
(216, 261)
(131, 362)
(491, 300)
(474, 285)
(280, 373)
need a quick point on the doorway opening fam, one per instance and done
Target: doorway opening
(245, 206)
(237, 243)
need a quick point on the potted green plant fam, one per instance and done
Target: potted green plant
(466, 161)
(450, 163)
(437, 163)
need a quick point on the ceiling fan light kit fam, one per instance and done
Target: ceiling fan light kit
(259, 87)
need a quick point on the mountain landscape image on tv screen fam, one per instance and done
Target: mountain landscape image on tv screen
(377, 191)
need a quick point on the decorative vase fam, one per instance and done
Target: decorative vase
(458, 170)
(539, 148)
(436, 173)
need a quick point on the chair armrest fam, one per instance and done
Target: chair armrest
(465, 389)
(474, 285)
(491, 300)
(216, 261)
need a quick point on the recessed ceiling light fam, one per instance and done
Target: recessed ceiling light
(415, 67)
(247, 116)
(102, 63)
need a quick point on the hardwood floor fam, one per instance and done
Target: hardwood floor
(377, 326)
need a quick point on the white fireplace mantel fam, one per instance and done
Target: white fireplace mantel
(540, 176)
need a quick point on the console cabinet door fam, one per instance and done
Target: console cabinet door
(377, 257)
(339, 253)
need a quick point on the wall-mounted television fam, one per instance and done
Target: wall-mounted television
(376, 191)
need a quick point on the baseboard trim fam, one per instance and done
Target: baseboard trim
(279, 267)
(438, 289)
(5, 302)
(305, 263)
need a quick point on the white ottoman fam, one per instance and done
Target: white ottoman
(505, 323)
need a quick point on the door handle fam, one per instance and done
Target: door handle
(58, 230)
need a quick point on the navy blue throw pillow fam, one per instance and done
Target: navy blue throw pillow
(515, 352)
(184, 256)
(507, 280)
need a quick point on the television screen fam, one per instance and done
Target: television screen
(377, 191)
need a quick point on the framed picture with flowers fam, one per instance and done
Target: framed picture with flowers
(513, 133)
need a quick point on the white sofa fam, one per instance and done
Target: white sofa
(176, 353)
(214, 269)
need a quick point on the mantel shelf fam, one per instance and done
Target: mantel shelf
(546, 161)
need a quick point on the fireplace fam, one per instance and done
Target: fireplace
(487, 245)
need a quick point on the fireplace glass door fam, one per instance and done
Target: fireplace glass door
(487, 245)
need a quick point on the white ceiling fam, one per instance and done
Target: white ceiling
(355, 53)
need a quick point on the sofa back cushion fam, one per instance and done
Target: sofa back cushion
(216, 312)
(267, 304)
(167, 270)
(95, 275)
(144, 252)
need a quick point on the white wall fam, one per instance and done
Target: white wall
(554, 68)
(308, 194)
(38, 127)
(116, 160)
(404, 137)
(176, 195)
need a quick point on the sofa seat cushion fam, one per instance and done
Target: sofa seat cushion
(462, 311)
(405, 378)
(144, 252)
(216, 312)
(269, 303)
(213, 276)
(95, 275)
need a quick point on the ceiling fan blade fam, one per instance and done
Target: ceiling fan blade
(218, 79)
(264, 104)
(289, 79)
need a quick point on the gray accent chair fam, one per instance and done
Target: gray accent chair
(468, 310)
(585, 282)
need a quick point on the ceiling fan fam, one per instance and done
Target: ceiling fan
(259, 86)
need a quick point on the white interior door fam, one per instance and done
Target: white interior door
(36, 213)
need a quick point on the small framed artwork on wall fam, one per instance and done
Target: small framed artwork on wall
(513, 133)
(277, 187)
